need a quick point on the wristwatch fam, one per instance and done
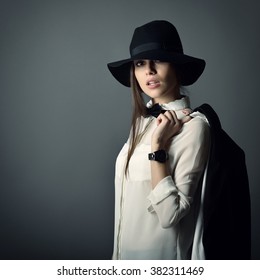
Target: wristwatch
(160, 155)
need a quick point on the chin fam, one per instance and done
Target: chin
(153, 94)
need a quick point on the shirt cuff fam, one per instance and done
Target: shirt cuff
(162, 190)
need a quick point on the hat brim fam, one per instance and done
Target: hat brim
(189, 68)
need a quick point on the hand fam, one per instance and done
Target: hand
(168, 125)
(187, 111)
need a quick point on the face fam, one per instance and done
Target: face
(157, 79)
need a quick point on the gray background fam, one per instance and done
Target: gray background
(63, 118)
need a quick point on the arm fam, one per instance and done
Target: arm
(168, 125)
(174, 189)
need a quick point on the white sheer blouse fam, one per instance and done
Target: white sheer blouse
(159, 223)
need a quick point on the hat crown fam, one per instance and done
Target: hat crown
(156, 35)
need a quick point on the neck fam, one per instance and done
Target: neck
(168, 98)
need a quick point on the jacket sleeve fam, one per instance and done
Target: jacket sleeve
(172, 196)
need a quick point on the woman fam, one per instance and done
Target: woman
(159, 169)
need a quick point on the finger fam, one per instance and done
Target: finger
(160, 119)
(187, 111)
(170, 116)
(165, 116)
(182, 120)
(174, 116)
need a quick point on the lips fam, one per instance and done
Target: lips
(153, 83)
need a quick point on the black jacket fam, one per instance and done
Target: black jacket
(226, 210)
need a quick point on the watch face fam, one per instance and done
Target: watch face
(161, 156)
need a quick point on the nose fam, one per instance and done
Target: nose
(150, 68)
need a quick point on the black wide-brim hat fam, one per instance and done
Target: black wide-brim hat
(158, 40)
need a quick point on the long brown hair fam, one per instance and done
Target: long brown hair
(139, 110)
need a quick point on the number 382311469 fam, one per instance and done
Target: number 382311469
(176, 270)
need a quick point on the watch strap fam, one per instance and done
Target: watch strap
(160, 156)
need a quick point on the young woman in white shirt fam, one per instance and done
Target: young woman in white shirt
(160, 167)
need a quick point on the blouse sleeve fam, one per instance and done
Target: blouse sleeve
(172, 196)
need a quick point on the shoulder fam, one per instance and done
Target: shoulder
(197, 125)
(195, 132)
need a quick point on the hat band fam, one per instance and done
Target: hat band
(153, 46)
(145, 47)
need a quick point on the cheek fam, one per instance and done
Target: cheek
(137, 75)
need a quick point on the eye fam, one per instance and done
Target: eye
(139, 63)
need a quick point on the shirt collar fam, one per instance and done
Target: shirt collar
(175, 105)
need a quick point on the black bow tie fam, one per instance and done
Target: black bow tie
(155, 110)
